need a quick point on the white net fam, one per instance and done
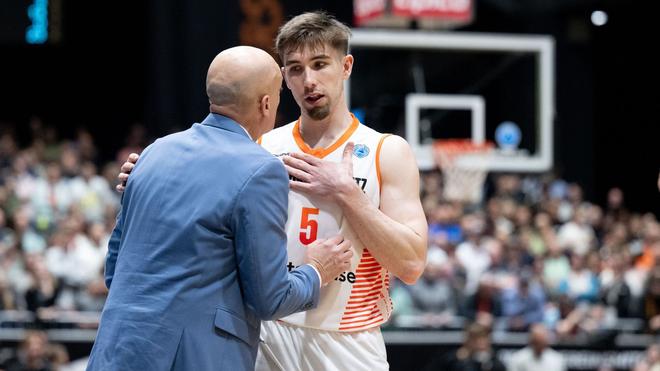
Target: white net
(464, 166)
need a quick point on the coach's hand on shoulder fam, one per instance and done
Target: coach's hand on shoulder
(126, 169)
(330, 257)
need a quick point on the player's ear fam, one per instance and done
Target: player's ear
(347, 66)
(286, 80)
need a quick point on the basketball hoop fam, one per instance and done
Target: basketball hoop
(464, 166)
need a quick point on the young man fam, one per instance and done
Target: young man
(346, 179)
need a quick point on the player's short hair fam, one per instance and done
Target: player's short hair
(312, 30)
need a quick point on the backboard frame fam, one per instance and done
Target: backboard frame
(541, 45)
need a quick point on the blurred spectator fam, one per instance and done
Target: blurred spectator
(577, 236)
(34, 354)
(615, 210)
(581, 284)
(650, 236)
(615, 292)
(69, 162)
(8, 298)
(471, 254)
(27, 236)
(136, 140)
(84, 145)
(556, 267)
(92, 193)
(433, 300)
(538, 355)
(589, 324)
(52, 197)
(476, 354)
(651, 301)
(652, 360)
(485, 300)
(44, 287)
(444, 221)
(523, 304)
(72, 258)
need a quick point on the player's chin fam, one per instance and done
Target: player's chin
(319, 113)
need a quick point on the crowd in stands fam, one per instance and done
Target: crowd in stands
(534, 251)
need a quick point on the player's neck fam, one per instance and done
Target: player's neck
(323, 133)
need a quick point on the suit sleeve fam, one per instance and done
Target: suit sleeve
(113, 249)
(259, 218)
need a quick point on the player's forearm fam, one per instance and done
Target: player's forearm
(395, 245)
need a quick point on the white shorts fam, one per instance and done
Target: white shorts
(305, 349)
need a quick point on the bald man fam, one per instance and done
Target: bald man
(538, 355)
(198, 255)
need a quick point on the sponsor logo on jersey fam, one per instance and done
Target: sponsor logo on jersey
(361, 151)
(342, 277)
(362, 182)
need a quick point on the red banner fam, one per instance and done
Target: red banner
(366, 10)
(457, 10)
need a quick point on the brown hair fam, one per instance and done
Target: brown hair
(312, 29)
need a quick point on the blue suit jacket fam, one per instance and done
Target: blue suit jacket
(198, 255)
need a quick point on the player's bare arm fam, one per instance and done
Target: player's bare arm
(395, 233)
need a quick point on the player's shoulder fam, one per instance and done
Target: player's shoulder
(283, 130)
(391, 141)
(368, 130)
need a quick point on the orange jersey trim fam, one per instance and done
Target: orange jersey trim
(380, 145)
(322, 152)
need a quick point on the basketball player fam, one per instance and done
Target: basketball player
(369, 192)
(347, 179)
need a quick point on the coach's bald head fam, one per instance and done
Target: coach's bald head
(244, 83)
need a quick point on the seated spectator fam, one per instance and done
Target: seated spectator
(577, 236)
(27, 236)
(556, 267)
(72, 257)
(582, 284)
(471, 253)
(651, 301)
(486, 299)
(92, 193)
(538, 355)
(476, 354)
(432, 301)
(589, 324)
(615, 292)
(8, 297)
(523, 304)
(444, 220)
(33, 354)
(44, 288)
(651, 361)
(52, 196)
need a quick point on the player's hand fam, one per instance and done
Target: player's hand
(321, 178)
(330, 257)
(125, 171)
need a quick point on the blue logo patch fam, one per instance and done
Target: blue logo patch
(361, 151)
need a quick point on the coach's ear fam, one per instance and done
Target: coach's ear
(265, 105)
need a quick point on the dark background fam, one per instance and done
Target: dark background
(118, 63)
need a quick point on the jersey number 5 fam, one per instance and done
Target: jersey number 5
(308, 227)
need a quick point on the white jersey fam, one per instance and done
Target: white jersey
(359, 298)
